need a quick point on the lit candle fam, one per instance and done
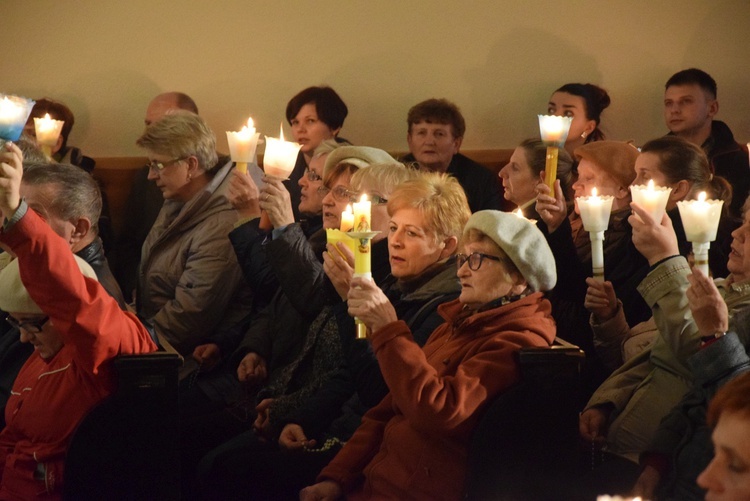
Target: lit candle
(242, 145)
(280, 156)
(595, 211)
(700, 218)
(361, 214)
(518, 212)
(554, 131)
(347, 219)
(47, 132)
(652, 198)
(362, 258)
(14, 111)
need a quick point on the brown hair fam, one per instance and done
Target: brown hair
(437, 111)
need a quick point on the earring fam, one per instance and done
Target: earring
(584, 134)
(189, 177)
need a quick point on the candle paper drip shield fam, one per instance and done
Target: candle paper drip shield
(280, 156)
(653, 199)
(700, 218)
(595, 211)
(14, 111)
(242, 145)
(554, 131)
(47, 133)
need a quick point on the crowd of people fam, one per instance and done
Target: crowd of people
(278, 396)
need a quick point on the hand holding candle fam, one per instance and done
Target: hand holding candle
(242, 145)
(700, 218)
(554, 131)
(595, 211)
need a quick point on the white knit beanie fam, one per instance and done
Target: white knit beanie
(522, 241)
(13, 294)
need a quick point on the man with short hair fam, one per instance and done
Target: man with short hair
(70, 201)
(435, 133)
(690, 106)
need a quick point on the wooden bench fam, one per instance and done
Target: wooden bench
(116, 176)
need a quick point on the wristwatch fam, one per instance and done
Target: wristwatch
(713, 337)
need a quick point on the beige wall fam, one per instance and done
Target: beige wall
(499, 60)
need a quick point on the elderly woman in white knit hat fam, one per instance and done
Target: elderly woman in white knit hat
(414, 443)
(76, 328)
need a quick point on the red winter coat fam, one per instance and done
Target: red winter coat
(50, 397)
(413, 445)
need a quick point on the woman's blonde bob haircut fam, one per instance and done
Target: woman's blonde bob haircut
(440, 199)
(381, 179)
(181, 134)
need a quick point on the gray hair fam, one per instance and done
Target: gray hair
(77, 193)
(182, 134)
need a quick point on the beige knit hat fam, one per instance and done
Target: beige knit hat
(13, 294)
(614, 157)
(361, 156)
(522, 241)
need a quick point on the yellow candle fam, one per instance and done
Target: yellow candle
(362, 214)
(347, 219)
(242, 145)
(280, 156)
(554, 131)
(362, 265)
(333, 236)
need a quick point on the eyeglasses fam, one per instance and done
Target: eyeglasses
(155, 166)
(375, 199)
(32, 326)
(340, 193)
(311, 175)
(475, 260)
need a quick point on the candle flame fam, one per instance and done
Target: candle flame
(348, 208)
(47, 117)
(363, 198)
(650, 185)
(593, 192)
(281, 131)
(250, 123)
(702, 196)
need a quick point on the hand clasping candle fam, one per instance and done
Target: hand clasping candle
(595, 212)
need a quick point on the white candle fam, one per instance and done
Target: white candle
(280, 156)
(700, 218)
(595, 211)
(47, 130)
(652, 198)
(14, 111)
(554, 129)
(242, 144)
